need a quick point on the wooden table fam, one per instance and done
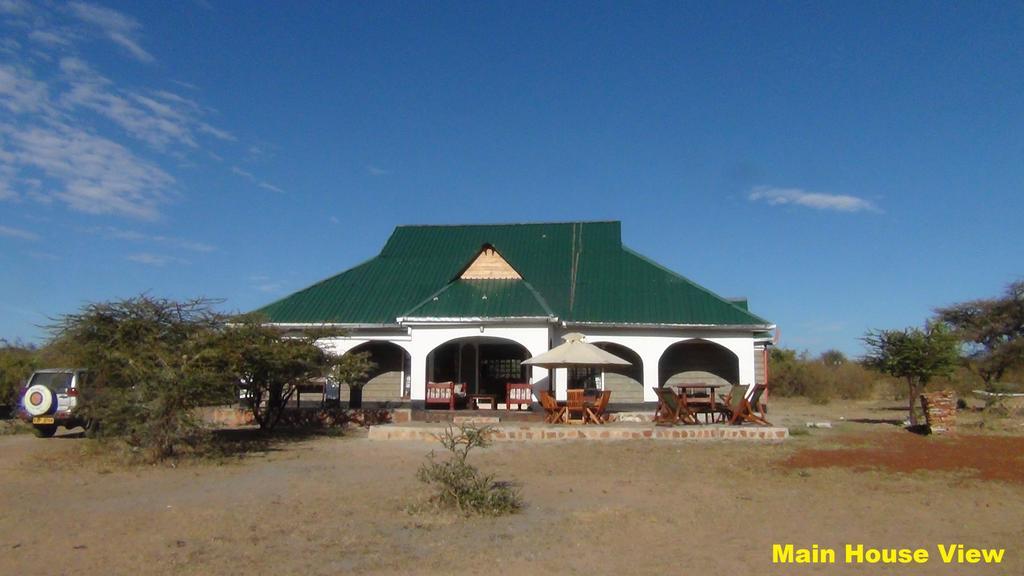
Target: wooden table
(685, 393)
(589, 403)
(475, 400)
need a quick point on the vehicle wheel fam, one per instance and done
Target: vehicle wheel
(39, 400)
(45, 431)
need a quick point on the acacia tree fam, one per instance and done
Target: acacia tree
(17, 361)
(913, 354)
(270, 365)
(832, 357)
(993, 329)
(144, 355)
(353, 369)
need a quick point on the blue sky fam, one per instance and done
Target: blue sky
(844, 165)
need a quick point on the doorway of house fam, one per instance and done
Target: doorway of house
(484, 364)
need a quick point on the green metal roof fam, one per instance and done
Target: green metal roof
(575, 271)
(483, 299)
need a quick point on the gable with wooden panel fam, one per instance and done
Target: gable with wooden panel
(489, 265)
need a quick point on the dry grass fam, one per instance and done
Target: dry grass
(338, 505)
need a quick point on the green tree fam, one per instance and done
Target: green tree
(17, 361)
(270, 365)
(993, 330)
(914, 355)
(353, 369)
(145, 358)
(832, 358)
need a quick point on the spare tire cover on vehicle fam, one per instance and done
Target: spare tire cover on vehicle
(38, 400)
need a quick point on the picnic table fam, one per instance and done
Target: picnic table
(699, 398)
(589, 409)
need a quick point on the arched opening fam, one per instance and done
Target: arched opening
(698, 362)
(388, 381)
(626, 383)
(484, 365)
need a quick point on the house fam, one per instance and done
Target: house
(469, 303)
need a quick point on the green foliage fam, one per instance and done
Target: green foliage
(17, 362)
(352, 369)
(832, 358)
(458, 485)
(335, 417)
(819, 379)
(993, 330)
(147, 374)
(269, 364)
(917, 356)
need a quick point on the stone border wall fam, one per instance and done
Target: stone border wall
(543, 433)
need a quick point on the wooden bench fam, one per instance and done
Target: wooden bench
(441, 393)
(518, 393)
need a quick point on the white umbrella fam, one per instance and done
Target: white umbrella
(575, 353)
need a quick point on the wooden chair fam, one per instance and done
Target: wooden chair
(575, 408)
(669, 407)
(441, 393)
(743, 409)
(598, 413)
(553, 413)
(518, 393)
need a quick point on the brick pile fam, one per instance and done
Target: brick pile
(940, 411)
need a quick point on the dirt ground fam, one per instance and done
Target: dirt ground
(338, 505)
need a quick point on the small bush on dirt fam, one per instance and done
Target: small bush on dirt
(335, 417)
(458, 485)
(367, 417)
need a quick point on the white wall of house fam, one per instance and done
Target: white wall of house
(650, 345)
(419, 340)
(426, 338)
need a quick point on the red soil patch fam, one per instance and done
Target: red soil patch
(987, 457)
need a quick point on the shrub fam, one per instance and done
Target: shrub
(17, 362)
(820, 379)
(458, 485)
(143, 354)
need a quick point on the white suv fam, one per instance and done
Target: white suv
(49, 399)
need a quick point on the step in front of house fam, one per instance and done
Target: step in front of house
(519, 432)
(478, 420)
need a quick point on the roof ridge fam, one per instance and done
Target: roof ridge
(536, 223)
(540, 298)
(529, 287)
(428, 299)
(691, 283)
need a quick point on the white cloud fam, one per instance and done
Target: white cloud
(17, 7)
(150, 120)
(119, 28)
(69, 133)
(217, 132)
(135, 236)
(377, 171)
(21, 93)
(17, 233)
(44, 256)
(50, 37)
(817, 200)
(93, 174)
(251, 178)
(154, 259)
